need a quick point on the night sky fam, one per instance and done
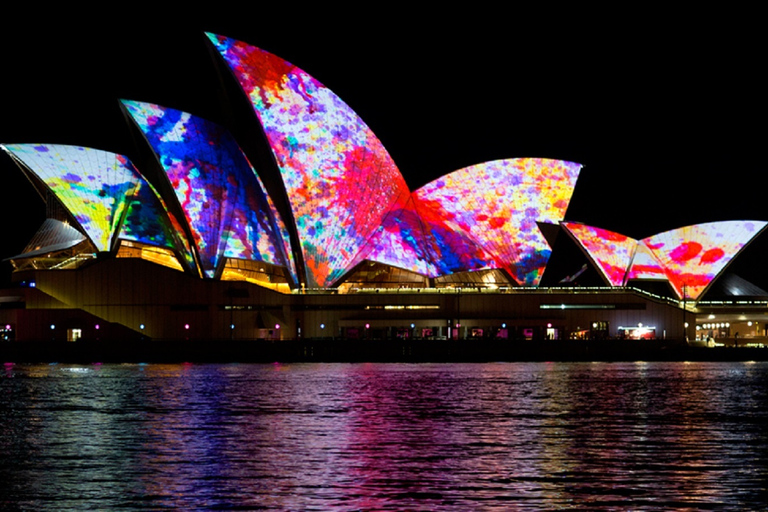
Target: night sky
(666, 111)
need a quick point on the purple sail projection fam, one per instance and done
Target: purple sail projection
(103, 191)
(223, 200)
(340, 180)
(496, 207)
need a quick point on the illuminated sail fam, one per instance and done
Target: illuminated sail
(341, 182)
(612, 252)
(497, 206)
(103, 191)
(692, 256)
(219, 193)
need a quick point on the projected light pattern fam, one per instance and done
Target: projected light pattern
(400, 241)
(280, 228)
(689, 258)
(347, 199)
(451, 249)
(645, 266)
(149, 221)
(225, 206)
(340, 180)
(350, 201)
(97, 187)
(497, 206)
(611, 251)
(693, 256)
(146, 219)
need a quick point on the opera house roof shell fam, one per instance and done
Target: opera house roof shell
(688, 258)
(347, 201)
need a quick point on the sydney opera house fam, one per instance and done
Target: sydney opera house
(315, 234)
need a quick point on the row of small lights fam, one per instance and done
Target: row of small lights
(717, 326)
(413, 326)
(277, 326)
(142, 326)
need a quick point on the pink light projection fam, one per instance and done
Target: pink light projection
(498, 204)
(612, 252)
(401, 240)
(350, 202)
(689, 258)
(340, 180)
(645, 266)
(693, 256)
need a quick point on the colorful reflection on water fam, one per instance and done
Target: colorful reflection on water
(597, 436)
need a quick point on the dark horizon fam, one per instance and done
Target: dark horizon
(666, 126)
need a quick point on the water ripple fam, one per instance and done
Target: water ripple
(591, 436)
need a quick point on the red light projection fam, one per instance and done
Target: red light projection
(496, 207)
(340, 180)
(612, 252)
(689, 257)
(693, 256)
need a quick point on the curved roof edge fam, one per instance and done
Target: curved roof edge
(316, 137)
(690, 258)
(215, 185)
(498, 206)
(104, 192)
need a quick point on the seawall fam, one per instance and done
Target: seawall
(345, 350)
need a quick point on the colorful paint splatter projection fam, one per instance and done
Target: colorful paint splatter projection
(219, 193)
(401, 240)
(497, 205)
(340, 180)
(350, 201)
(611, 251)
(645, 266)
(104, 192)
(693, 256)
(689, 258)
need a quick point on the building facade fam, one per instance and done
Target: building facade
(327, 241)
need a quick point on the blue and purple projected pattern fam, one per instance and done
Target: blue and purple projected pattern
(496, 206)
(340, 180)
(99, 189)
(401, 240)
(217, 188)
(280, 227)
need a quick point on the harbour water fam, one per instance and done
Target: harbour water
(389, 436)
